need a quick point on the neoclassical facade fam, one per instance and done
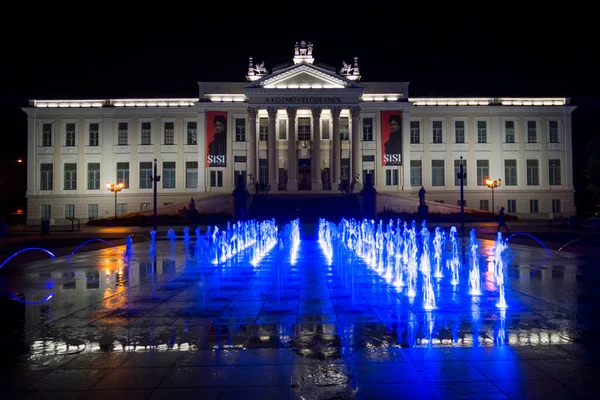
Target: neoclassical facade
(302, 127)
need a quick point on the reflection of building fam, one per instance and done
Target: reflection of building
(76, 146)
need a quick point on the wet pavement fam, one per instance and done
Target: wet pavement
(173, 325)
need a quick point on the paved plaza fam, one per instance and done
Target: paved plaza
(170, 324)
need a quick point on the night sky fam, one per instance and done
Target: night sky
(60, 52)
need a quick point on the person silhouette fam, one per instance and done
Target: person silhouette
(502, 220)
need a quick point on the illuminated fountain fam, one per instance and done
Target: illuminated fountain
(474, 274)
(405, 258)
(453, 264)
(428, 295)
(438, 245)
(499, 248)
(152, 249)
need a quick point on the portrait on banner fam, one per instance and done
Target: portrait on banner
(391, 138)
(216, 138)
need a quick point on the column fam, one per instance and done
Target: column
(292, 166)
(32, 168)
(272, 150)
(317, 183)
(201, 140)
(355, 169)
(567, 152)
(335, 156)
(251, 160)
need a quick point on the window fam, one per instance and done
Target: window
(69, 210)
(459, 131)
(464, 203)
(263, 129)
(70, 134)
(531, 132)
(366, 172)
(240, 130)
(123, 174)
(168, 177)
(146, 175)
(533, 178)
(303, 128)
(123, 135)
(415, 173)
(534, 206)
(46, 135)
(367, 158)
(481, 132)
(144, 206)
(509, 131)
(556, 206)
(169, 133)
(345, 169)
(325, 129)
(93, 176)
(437, 131)
(191, 174)
(553, 127)
(483, 171)
(92, 211)
(283, 129)
(510, 172)
(121, 208)
(367, 129)
(46, 176)
(484, 205)
(94, 134)
(512, 206)
(344, 128)
(457, 171)
(192, 133)
(45, 211)
(391, 177)
(554, 172)
(437, 172)
(216, 178)
(70, 182)
(146, 133)
(415, 132)
(263, 171)
(240, 159)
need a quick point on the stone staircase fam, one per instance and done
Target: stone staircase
(309, 208)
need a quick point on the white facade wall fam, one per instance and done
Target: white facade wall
(300, 84)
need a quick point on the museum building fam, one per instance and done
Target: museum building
(302, 127)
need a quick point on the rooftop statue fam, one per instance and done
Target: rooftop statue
(346, 68)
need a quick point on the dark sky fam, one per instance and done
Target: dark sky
(56, 52)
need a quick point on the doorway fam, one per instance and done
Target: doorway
(304, 176)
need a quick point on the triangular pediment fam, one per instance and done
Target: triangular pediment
(303, 76)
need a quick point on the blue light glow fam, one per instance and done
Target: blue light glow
(16, 298)
(93, 240)
(24, 250)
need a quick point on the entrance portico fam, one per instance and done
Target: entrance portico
(304, 104)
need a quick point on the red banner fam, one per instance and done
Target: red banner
(216, 138)
(391, 137)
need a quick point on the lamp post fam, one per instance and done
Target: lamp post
(462, 176)
(493, 185)
(155, 178)
(115, 188)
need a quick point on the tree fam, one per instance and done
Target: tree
(592, 170)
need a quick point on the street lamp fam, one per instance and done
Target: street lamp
(493, 185)
(116, 188)
(462, 175)
(155, 179)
